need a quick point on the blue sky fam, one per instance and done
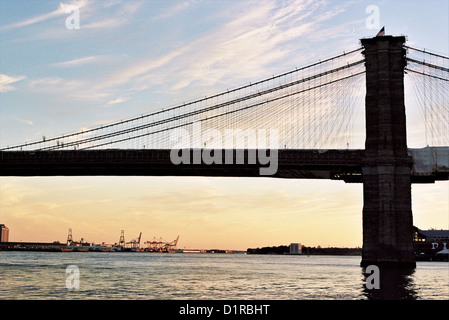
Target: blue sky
(133, 57)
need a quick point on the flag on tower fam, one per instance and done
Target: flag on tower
(381, 32)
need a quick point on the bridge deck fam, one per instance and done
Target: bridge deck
(430, 161)
(313, 164)
(297, 164)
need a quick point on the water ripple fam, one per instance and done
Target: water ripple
(35, 275)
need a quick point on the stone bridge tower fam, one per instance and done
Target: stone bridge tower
(387, 211)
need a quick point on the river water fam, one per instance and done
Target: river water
(189, 276)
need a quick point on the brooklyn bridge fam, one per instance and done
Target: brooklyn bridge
(305, 113)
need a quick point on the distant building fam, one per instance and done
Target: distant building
(431, 235)
(4, 233)
(431, 244)
(295, 248)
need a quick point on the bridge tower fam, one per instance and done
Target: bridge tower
(387, 211)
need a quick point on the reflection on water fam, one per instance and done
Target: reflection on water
(393, 284)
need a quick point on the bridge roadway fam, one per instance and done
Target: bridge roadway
(429, 164)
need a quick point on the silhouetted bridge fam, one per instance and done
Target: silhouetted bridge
(310, 109)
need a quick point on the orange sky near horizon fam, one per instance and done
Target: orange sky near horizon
(223, 213)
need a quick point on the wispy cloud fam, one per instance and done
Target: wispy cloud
(121, 17)
(28, 122)
(61, 10)
(142, 67)
(77, 62)
(239, 45)
(6, 81)
(79, 89)
(93, 15)
(116, 101)
(251, 44)
(174, 10)
(44, 82)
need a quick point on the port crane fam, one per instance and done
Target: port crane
(171, 245)
(161, 245)
(135, 243)
(121, 242)
(69, 238)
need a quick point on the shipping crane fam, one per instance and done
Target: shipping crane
(170, 246)
(122, 239)
(161, 245)
(135, 243)
(69, 238)
(154, 245)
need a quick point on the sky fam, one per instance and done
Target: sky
(123, 58)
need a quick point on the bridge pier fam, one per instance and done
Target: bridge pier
(386, 169)
(387, 216)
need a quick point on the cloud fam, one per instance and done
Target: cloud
(6, 81)
(246, 46)
(79, 89)
(174, 10)
(28, 122)
(61, 10)
(142, 67)
(46, 82)
(207, 59)
(254, 42)
(115, 101)
(93, 15)
(77, 62)
(121, 17)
